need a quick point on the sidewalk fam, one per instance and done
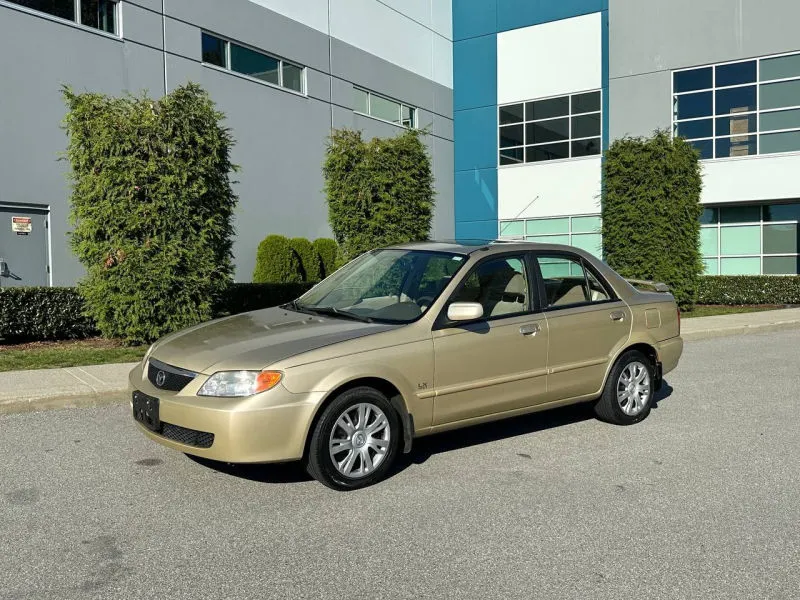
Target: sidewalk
(755, 322)
(22, 391)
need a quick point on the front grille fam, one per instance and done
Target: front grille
(167, 377)
(190, 437)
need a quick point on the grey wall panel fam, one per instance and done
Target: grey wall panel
(144, 70)
(639, 104)
(668, 34)
(143, 26)
(280, 145)
(182, 70)
(154, 5)
(257, 26)
(318, 85)
(183, 39)
(443, 101)
(444, 219)
(378, 75)
(443, 127)
(342, 93)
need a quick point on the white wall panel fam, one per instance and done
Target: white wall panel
(313, 13)
(382, 31)
(550, 59)
(443, 61)
(750, 179)
(559, 188)
(442, 17)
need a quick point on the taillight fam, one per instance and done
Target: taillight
(679, 321)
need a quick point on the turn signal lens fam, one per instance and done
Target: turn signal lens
(267, 380)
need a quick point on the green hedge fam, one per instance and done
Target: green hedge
(40, 313)
(651, 212)
(152, 207)
(277, 261)
(244, 297)
(310, 262)
(328, 254)
(749, 289)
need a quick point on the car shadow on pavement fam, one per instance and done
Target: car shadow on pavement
(290, 472)
(426, 447)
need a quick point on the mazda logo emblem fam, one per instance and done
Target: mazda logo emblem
(161, 377)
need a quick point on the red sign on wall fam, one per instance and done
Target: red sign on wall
(21, 225)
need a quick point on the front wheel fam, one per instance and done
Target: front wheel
(355, 440)
(628, 393)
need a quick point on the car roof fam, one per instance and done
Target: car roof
(471, 246)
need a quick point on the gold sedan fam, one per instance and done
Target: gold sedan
(404, 342)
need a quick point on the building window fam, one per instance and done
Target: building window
(750, 239)
(380, 107)
(234, 57)
(97, 14)
(550, 129)
(739, 109)
(580, 231)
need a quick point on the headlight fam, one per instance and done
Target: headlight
(234, 384)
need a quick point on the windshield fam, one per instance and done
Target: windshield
(395, 286)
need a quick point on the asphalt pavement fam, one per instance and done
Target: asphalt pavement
(698, 501)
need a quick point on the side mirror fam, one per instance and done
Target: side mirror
(4, 272)
(464, 311)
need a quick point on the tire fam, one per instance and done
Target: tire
(340, 440)
(626, 405)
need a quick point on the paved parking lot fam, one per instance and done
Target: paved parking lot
(702, 500)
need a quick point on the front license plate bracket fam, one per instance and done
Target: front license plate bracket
(145, 411)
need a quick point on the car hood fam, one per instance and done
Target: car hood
(257, 339)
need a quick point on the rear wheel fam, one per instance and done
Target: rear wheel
(628, 393)
(355, 440)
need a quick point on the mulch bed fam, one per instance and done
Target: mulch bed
(95, 343)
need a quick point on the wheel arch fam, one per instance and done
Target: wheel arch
(384, 386)
(645, 348)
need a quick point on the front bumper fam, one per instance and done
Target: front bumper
(268, 427)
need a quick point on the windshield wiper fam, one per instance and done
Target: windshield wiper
(330, 310)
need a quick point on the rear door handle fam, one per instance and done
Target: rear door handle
(617, 315)
(531, 329)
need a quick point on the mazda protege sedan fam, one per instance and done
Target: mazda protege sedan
(404, 342)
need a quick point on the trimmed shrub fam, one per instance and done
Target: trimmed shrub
(152, 209)
(277, 262)
(749, 289)
(379, 192)
(310, 263)
(328, 253)
(41, 313)
(244, 297)
(651, 212)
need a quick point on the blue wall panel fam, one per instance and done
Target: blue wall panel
(475, 72)
(513, 14)
(476, 193)
(473, 18)
(476, 138)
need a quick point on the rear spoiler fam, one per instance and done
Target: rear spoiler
(654, 285)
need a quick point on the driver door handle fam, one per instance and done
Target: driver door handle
(531, 329)
(617, 315)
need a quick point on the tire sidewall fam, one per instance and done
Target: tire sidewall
(611, 387)
(321, 463)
